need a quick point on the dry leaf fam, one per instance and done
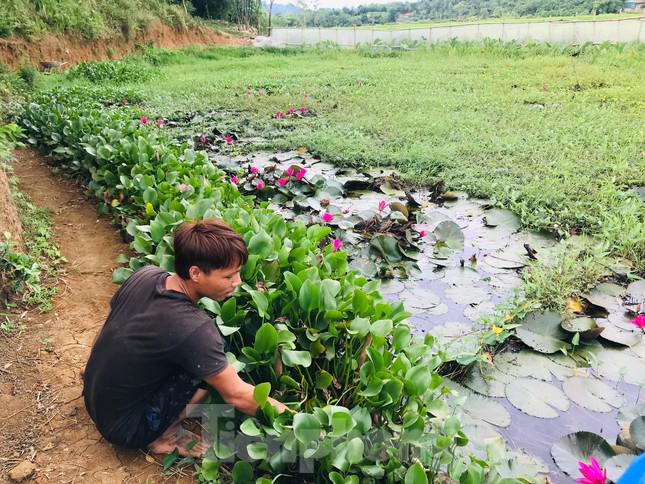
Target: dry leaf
(574, 305)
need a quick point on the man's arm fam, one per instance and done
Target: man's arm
(237, 392)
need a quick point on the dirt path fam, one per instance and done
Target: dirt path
(42, 416)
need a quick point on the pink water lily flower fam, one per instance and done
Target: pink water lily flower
(302, 109)
(203, 139)
(592, 472)
(381, 205)
(144, 119)
(639, 321)
(161, 123)
(280, 115)
(282, 182)
(253, 169)
(327, 217)
(292, 110)
(234, 180)
(301, 174)
(290, 172)
(422, 233)
(228, 139)
(336, 245)
(260, 185)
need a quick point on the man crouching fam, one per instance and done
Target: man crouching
(157, 350)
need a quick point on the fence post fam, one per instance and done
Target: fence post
(502, 36)
(354, 44)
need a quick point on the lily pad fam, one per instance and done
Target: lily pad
(592, 394)
(461, 275)
(450, 234)
(617, 465)
(627, 414)
(387, 247)
(421, 298)
(480, 407)
(438, 310)
(467, 294)
(617, 364)
(615, 334)
(603, 300)
(580, 446)
(636, 290)
(530, 364)
(487, 380)
(391, 286)
(477, 311)
(505, 260)
(502, 218)
(536, 398)
(579, 325)
(519, 464)
(637, 432)
(542, 332)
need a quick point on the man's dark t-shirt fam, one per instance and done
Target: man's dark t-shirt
(151, 335)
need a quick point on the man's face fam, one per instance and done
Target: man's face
(219, 283)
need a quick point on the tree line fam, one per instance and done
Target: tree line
(439, 10)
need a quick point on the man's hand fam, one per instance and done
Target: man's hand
(238, 393)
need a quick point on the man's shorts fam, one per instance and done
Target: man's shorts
(159, 412)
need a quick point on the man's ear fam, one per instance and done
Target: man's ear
(194, 273)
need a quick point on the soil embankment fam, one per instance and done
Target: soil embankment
(42, 416)
(71, 50)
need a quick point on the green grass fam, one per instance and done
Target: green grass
(554, 133)
(91, 19)
(509, 20)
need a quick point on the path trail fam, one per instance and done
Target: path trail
(42, 416)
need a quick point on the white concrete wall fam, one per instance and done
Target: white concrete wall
(565, 32)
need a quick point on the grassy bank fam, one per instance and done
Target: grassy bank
(91, 19)
(554, 133)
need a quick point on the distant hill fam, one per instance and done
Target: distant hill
(281, 9)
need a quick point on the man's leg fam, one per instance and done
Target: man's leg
(176, 437)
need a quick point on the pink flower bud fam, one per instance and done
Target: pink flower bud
(327, 217)
(254, 169)
(639, 321)
(282, 182)
(203, 139)
(260, 185)
(381, 205)
(144, 119)
(302, 109)
(345, 211)
(228, 139)
(290, 172)
(301, 174)
(336, 244)
(234, 180)
(422, 233)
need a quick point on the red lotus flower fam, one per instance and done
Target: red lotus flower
(336, 244)
(302, 109)
(161, 123)
(301, 174)
(228, 139)
(327, 217)
(260, 185)
(639, 321)
(203, 139)
(125, 102)
(381, 205)
(592, 473)
(254, 170)
(290, 172)
(282, 182)
(144, 119)
(234, 180)
(422, 233)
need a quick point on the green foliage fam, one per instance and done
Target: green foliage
(93, 19)
(18, 271)
(322, 337)
(28, 74)
(441, 10)
(117, 72)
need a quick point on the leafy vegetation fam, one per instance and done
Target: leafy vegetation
(89, 19)
(441, 10)
(26, 275)
(369, 395)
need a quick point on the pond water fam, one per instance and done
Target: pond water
(453, 288)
